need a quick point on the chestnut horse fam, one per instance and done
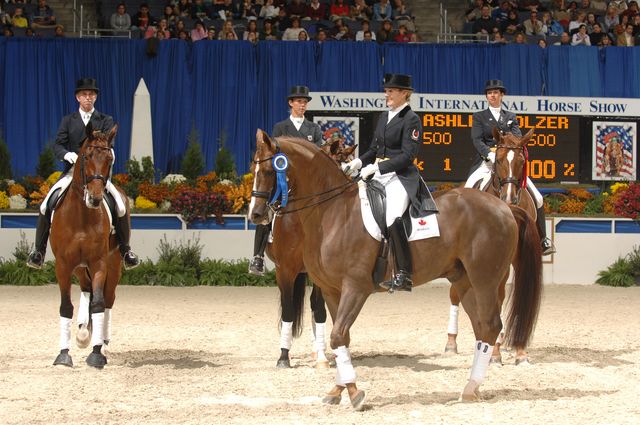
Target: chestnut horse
(286, 252)
(613, 158)
(339, 254)
(84, 246)
(507, 181)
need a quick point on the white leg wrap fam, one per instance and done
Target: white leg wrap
(63, 183)
(481, 358)
(107, 324)
(65, 333)
(453, 320)
(83, 308)
(97, 329)
(286, 335)
(121, 206)
(318, 343)
(345, 373)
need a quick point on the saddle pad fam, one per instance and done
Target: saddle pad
(422, 227)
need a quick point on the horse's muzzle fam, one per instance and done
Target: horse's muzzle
(94, 201)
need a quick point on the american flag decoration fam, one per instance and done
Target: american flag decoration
(614, 150)
(345, 128)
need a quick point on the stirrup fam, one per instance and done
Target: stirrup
(400, 282)
(130, 260)
(256, 266)
(547, 247)
(35, 260)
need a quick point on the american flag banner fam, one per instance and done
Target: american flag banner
(343, 128)
(614, 150)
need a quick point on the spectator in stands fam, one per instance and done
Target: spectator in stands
(498, 38)
(212, 33)
(143, 19)
(291, 33)
(303, 36)
(198, 32)
(382, 10)
(520, 38)
(153, 30)
(120, 20)
(29, 33)
(632, 10)
(581, 38)
(474, 12)
(250, 10)
(361, 10)
(227, 32)
(610, 19)
(282, 22)
(59, 31)
(365, 28)
(321, 36)
(5, 19)
(199, 10)
(269, 32)
(183, 35)
(269, 11)
(484, 24)
(565, 40)
(581, 18)
(341, 31)
(296, 9)
(385, 33)
(170, 15)
(230, 10)
(533, 26)
(591, 20)
(542, 43)
(403, 36)
(339, 10)
(183, 8)
(511, 25)
(252, 26)
(7, 32)
(550, 26)
(596, 35)
(626, 38)
(605, 41)
(179, 27)
(402, 15)
(636, 25)
(252, 37)
(501, 13)
(619, 29)
(18, 19)
(621, 5)
(530, 6)
(43, 16)
(316, 11)
(585, 6)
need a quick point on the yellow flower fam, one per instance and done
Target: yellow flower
(145, 204)
(618, 186)
(53, 178)
(4, 200)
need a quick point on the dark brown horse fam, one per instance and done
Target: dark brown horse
(613, 158)
(339, 254)
(507, 181)
(286, 252)
(84, 246)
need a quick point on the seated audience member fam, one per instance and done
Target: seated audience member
(497, 38)
(170, 15)
(403, 16)
(178, 27)
(29, 33)
(565, 40)
(361, 10)
(511, 25)
(183, 35)
(626, 38)
(581, 38)
(520, 38)
(501, 13)
(227, 32)
(43, 15)
(230, 10)
(484, 24)
(605, 41)
(198, 32)
(596, 35)
(59, 32)
(530, 6)
(269, 32)
(252, 26)
(403, 36)
(321, 36)
(581, 18)
(475, 11)
(621, 5)
(533, 26)
(120, 20)
(212, 33)
(339, 10)
(316, 11)
(542, 43)
(632, 10)
(252, 37)
(183, 9)
(296, 9)
(143, 19)
(382, 10)
(282, 22)
(7, 32)
(585, 6)
(5, 19)
(19, 20)
(153, 30)
(303, 36)
(291, 33)
(269, 11)
(250, 10)
(368, 36)
(635, 22)
(341, 31)
(620, 28)
(385, 33)
(610, 19)
(199, 10)
(365, 28)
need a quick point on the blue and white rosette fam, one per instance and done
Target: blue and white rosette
(280, 164)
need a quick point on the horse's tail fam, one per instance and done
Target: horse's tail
(298, 303)
(527, 288)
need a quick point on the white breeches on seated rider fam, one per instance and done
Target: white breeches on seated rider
(484, 172)
(397, 196)
(64, 182)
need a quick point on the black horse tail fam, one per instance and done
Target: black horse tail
(527, 288)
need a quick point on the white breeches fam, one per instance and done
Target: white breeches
(484, 172)
(397, 196)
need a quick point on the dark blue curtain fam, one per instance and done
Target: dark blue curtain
(573, 71)
(523, 69)
(620, 75)
(350, 67)
(280, 66)
(3, 44)
(224, 99)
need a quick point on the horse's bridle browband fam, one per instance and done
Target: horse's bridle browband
(87, 179)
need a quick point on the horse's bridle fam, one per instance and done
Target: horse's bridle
(87, 179)
(520, 183)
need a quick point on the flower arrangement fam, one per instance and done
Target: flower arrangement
(17, 189)
(4, 200)
(627, 202)
(144, 203)
(195, 205)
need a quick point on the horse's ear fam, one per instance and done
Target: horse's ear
(112, 134)
(525, 140)
(497, 135)
(350, 149)
(334, 146)
(262, 137)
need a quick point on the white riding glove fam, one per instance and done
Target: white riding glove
(369, 170)
(351, 169)
(71, 157)
(491, 156)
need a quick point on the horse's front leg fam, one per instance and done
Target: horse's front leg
(97, 307)
(83, 335)
(63, 274)
(351, 302)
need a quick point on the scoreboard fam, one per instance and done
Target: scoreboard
(446, 151)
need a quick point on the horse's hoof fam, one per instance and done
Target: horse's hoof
(332, 399)
(496, 360)
(283, 364)
(83, 337)
(357, 401)
(471, 392)
(451, 349)
(63, 359)
(97, 360)
(523, 362)
(322, 364)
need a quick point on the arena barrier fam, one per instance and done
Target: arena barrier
(585, 245)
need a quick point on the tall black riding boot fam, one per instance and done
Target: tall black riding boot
(402, 255)
(256, 265)
(547, 245)
(123, 235)
(36, 257)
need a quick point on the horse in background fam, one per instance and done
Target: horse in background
(292, 280)
(507, 181)
(85, 247)
(340, 255)
(613, 158)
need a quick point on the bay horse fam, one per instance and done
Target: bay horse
(507, 181)
(84, 246)
(340, 255)
(286, 252)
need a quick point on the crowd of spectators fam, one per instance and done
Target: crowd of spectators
(578, 23)
(24, 18)
(255, 20)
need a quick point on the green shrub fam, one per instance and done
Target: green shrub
(46, 163)
(141, 275)
(16, 272)
(633, 258)
(617, 274)
(22, 250)
(225, 164)
(232, 273)
(595, 206)
(193, 161)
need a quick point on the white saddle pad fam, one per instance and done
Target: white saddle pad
(421, 227)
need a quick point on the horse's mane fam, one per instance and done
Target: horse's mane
(313, 154)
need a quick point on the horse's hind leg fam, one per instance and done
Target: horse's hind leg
(66, 315)
(452, 329)
(83, 336)
(96, 358)
(319, 322)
